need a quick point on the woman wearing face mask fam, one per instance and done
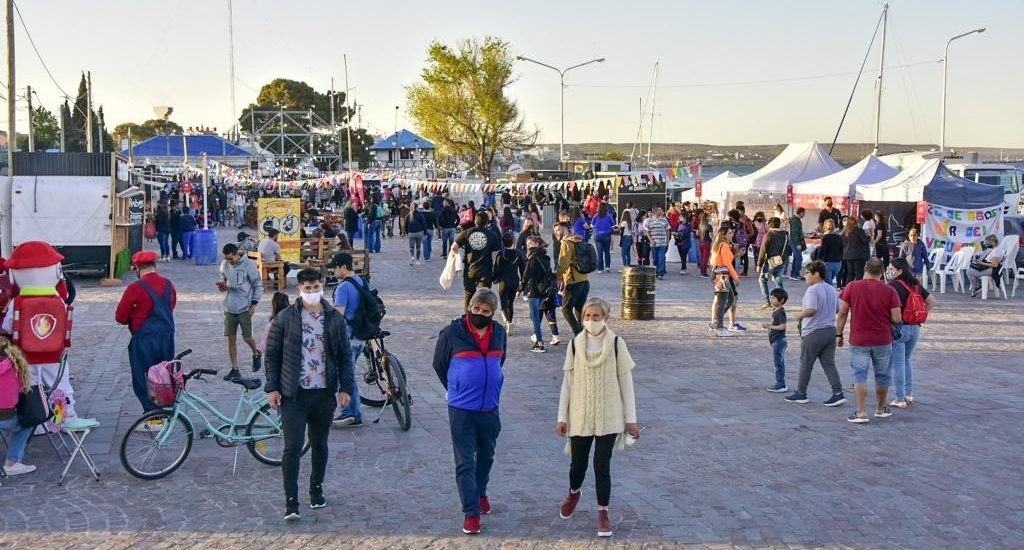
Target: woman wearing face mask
(468, 359)
(595, 407)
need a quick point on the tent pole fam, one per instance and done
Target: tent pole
(855, 82)
(881, 69)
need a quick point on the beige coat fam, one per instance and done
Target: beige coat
(597, 391)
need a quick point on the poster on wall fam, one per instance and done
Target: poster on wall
(285, 215)
(953, 228)
(899, 217)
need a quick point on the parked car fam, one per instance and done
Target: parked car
(1014, 225)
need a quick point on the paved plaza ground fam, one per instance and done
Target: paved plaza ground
(722, 464)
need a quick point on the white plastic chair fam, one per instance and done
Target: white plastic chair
(1018, 276)
(954, 269)
(935, 258)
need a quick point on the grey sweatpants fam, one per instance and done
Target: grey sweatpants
(819, 345)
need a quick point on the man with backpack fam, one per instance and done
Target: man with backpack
(347, 301)
(873, 308)
(147, 307)
(480, 247)
(576, 259)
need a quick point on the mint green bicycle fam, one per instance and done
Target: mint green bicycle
(160, 440)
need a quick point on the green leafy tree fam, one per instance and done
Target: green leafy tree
(146, 130)
(461, 105)
(46, 130)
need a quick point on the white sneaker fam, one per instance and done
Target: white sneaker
(418, 262)
(554, 341)
(18, 468)
(412, 262)
(723, 333)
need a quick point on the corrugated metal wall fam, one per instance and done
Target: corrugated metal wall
(61, 164)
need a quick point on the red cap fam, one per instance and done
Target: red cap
(31, 254)
(144, 257)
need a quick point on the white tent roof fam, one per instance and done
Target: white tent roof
(840, 184)
(797, 162)
(691, 194)
(907, 186)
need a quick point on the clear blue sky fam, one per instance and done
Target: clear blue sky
(144, 53)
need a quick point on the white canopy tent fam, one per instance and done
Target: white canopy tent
(691, 194)
(907, 186)
(841, 185)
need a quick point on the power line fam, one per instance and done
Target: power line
(750, 82)
(36, 49)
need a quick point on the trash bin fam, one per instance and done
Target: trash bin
(204, 250)
(638, 293)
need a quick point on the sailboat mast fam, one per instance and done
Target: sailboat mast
(654, 97)
(881, 70)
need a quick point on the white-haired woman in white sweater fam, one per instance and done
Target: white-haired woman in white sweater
(596, 406)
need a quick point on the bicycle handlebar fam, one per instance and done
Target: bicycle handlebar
(182, 354)
(197, 372)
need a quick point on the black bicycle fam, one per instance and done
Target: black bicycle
(382, 381)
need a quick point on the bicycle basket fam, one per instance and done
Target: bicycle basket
(163, 382)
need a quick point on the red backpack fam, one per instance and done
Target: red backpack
(916, 311)
(42, 327)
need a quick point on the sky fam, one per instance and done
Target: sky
(731, 72)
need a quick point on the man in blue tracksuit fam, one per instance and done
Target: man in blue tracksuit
(468, 359)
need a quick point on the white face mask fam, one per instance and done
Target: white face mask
(593, 327)
(311, 298)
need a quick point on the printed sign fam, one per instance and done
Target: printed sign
(953, 228)
(285, 215)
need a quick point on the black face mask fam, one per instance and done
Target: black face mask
(478, 320)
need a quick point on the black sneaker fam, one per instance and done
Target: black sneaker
(777, 388)
(854, 419)
(886, 412)
(257, 361)
(836, 400)
(796, 397)
(538, 348)
(316, 497)
(232, 374)
(291, 510)
(347, 421)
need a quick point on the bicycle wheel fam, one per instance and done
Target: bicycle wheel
(267, 444)
(401, 401)
(156, 444)
(372, 392)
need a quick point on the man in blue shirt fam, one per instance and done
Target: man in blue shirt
(346, 301)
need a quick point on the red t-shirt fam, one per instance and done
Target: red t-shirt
(484, 342)
(136, 305)
(870, 303)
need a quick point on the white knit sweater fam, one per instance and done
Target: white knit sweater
(597, 391)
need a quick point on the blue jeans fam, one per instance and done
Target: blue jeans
(902, 368)
(372, 239)
(474, 436)
(164, 239)
(797, 259)
(186, 243)
(658, 254)
(353, 406)
(779, 357)
(18, 440)
(767, 275)
(626, 248)
(447, 239)
(863, 357)
(604, 251)
(428, 239)
(831, 268)
(537, 316)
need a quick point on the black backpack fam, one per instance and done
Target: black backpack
(586, 257)
(371, 311)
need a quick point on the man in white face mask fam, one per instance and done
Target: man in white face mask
(309, 362)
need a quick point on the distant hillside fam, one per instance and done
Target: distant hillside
(845, 153)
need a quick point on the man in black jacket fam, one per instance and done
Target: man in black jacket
(308, 361)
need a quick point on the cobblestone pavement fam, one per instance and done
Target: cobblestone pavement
(723, 463)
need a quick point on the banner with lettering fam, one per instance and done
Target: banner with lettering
(953, 228)
(283, 215)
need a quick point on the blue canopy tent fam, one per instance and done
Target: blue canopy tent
(181, 147)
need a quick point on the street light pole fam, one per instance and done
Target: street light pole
(561, 87)
(945, 74)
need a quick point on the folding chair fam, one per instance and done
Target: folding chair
(78, 430)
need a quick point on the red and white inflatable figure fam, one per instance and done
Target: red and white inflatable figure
(37, 315)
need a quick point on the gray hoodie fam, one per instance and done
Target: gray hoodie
(244, 285)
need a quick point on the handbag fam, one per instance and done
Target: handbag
(776, 261)
(33, 408)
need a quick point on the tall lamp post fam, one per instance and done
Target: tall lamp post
(561, 88)
(945, 73)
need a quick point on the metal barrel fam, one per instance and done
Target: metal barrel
(638, 293)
